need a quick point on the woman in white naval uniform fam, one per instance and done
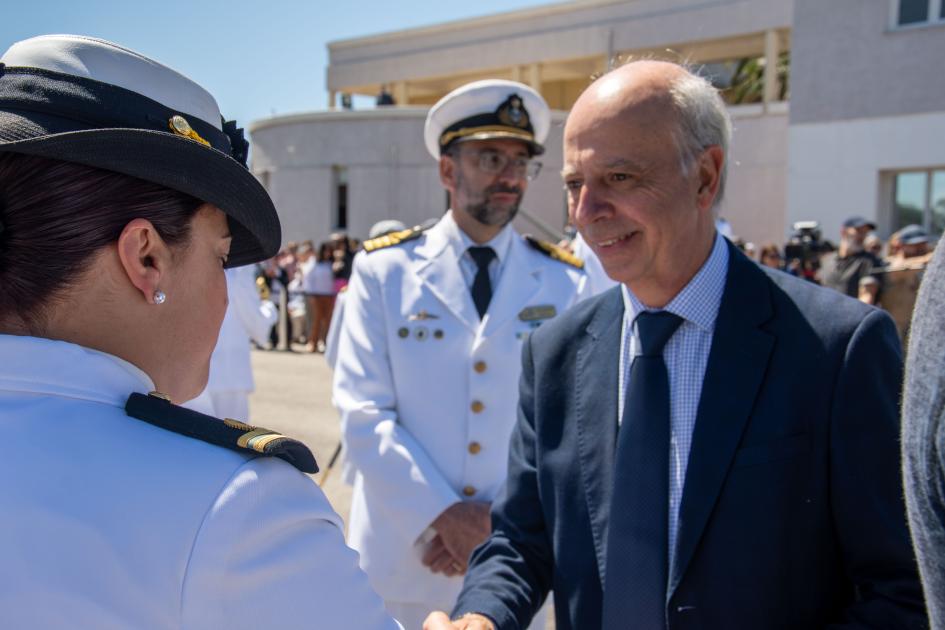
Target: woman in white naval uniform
(428, 387)
(120, 509)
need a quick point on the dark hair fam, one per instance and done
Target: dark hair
(55, 215)
(769, 249)
(326, 252)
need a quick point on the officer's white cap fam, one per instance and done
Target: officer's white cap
(480, 111)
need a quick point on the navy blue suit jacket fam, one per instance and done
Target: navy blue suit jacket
(792, 513)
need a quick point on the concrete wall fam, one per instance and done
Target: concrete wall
(847, 62)
(757, 178)
(561, 31)
(390, 174)
(839, 169)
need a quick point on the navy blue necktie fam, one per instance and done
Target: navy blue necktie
(637, 532)
(482, 286)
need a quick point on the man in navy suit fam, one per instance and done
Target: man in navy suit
(710, 445)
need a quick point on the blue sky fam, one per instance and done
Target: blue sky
(257, 57)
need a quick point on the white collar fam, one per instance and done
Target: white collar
(461, 241)
(59, 368)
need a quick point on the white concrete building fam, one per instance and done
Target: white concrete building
(858, 122)
(867, 132)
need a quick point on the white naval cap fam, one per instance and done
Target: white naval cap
(488, 109)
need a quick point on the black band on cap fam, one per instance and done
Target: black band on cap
(96, 105)
(509, 119)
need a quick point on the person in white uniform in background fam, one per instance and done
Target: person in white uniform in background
(429, 352)
(381, 228)
(231, 370)
(121, 509)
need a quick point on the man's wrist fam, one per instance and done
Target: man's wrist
(477, 618)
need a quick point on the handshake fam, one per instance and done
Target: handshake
(458, 530)
(440, 621)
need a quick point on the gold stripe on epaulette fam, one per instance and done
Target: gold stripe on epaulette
(556, 253)
(236, 424)
(565, 256)
(394, 238)
(245, 439)
(259, 443)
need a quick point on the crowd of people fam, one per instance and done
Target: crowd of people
(694, 441)
(886, 275)
(311, 279)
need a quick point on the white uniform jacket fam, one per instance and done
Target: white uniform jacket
(428, 393)
(110, 522)
(247, 317)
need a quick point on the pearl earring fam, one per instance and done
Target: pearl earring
(159, 297)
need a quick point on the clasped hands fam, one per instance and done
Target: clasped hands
(460, 528)
(440, 621)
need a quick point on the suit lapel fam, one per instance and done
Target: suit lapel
(596, 383)
(520, 281)
(438, 267)
(734, 374)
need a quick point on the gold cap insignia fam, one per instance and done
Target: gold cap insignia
(513, 113)
(181, 127)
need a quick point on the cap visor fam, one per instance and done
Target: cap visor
(161, 158)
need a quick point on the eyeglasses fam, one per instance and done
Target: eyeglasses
(494, 162)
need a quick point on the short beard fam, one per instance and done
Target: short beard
(484, 211)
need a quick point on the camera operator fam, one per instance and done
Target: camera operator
(851, 263)
(804, 250)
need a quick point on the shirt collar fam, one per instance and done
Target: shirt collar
(699, 300)
(59, 368)
(500, 244)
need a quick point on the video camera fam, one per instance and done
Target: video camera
(806, 244)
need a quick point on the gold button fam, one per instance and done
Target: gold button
(469, 491)
(479, 366)
(475, 447)
(477, 406)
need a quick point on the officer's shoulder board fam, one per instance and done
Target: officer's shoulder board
(553, 251)
(396, 238)
(156, 409)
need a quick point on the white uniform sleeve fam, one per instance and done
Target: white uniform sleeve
(391, 460)
(334, 330)
(256, 316)
(271, 554)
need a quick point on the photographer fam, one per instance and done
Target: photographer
(804, 251)
(844, 270)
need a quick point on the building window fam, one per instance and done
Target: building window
(919, 198)
(919, 12)
(340, 177)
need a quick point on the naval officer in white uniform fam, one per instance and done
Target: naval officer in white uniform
(121, 509)
(429, 352)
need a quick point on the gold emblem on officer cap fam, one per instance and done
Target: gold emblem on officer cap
(181, 127)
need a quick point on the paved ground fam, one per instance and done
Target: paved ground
(293, 396)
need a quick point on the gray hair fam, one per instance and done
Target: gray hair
(703, 122)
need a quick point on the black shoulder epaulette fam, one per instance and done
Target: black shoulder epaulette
(396, 238)
(553, 251)
(232, 434)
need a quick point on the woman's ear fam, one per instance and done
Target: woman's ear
(145, 258)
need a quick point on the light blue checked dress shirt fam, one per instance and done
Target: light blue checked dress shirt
(686, 355)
